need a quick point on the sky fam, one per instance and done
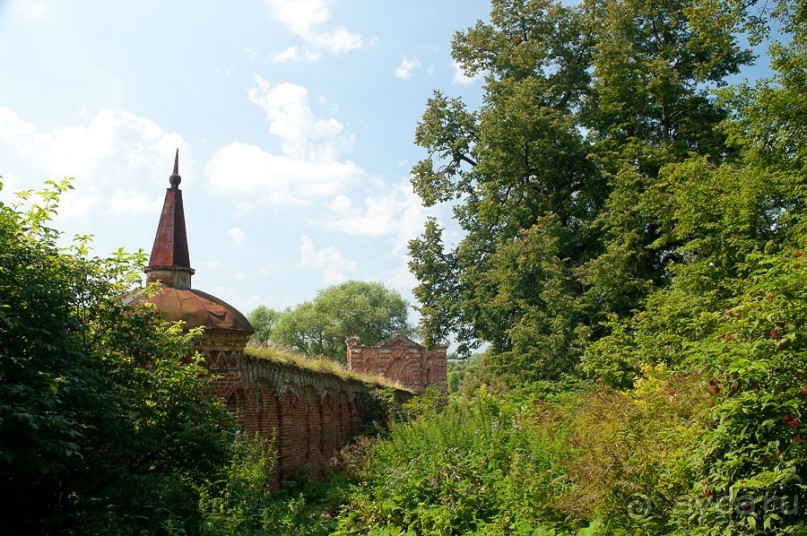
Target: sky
(294, 121)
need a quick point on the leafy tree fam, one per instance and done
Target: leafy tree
(263, 320)
(554, 180)
(369, 311)
(106, 418)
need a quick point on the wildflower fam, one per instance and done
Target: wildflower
(791, 421)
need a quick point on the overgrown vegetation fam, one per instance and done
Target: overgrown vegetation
(634, 259)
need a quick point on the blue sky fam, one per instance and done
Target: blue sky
(294, 120)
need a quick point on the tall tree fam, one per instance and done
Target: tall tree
(367, 310)
(554, 178)
(263, 320)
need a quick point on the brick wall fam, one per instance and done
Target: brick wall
(306, 416)
(401, 360)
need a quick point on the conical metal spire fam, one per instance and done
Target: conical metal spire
(170, 260)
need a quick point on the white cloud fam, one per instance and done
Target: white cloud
(294, 53)
(402, 278)
(399, 214)
(330, 262)
(134, 202)
(33, 9)
(238, 236)
(460, 77)
(406, 67)
(268, 269)
(251, 53)
(310, 163)
(291, 118)
(305, 19)
(285, 55)
(109, 156)
(341, 205)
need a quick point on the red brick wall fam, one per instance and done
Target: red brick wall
(306, 417)
(400, 360)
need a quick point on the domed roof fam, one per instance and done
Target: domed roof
(196, 308)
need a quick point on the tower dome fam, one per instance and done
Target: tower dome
(169, 265)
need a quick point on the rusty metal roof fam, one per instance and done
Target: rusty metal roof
(171, 242)
(196, 308)
(170, 265)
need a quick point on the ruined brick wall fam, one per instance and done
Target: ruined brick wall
(401, 360)
(308, 416)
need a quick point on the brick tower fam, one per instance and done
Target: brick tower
(226, 330)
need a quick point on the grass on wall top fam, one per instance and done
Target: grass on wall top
(287, 357)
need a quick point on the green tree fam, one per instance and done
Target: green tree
(367, 310)
(106, 418)
(554, 179)
(263, 319)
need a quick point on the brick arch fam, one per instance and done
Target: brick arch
(357, 411)
(343, 430)
(263, 415)
(236, 400)
(329, 415)
(313, 432)
(291, 439)
(404, 369)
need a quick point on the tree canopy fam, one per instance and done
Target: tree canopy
(367, 310)
(587, 177)
(106, 420)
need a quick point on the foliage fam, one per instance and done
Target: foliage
(263, 320)
(240, 503)
(459, 369)
(369, 311)
(503, 465)
(106, 420)
(752, 456)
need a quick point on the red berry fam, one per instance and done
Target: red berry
(671, 392)
(729, 338)
(804, 389)
(797, 438)
(774, 334)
